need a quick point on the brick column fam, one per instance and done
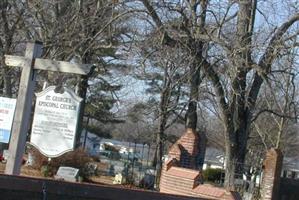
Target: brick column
(271, 175)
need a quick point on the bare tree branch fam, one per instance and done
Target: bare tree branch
(267, 59)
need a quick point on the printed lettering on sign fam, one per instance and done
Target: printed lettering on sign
(55, 121)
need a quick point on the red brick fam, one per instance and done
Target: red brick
(189, 143)
(184, 173)
(179, 180)
(271, 174)
(209, 191)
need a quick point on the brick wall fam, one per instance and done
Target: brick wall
(181, 173)
(271, 175)
(177, 180)
(26, 188)
(183, 181)
(186, 149)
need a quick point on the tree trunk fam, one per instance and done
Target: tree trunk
(191, 115)
(7, 87)
(195, 67)
(81, 92)
(234, 163)
(82, 86)
(235, 148)
(159, 155)
(163, 111)
(230, 159)
(238, 119)
(7, 90)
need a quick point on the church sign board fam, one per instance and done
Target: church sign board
(29, 64)
(7, 110)
(55, 121)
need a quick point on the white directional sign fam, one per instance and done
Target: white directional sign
(7, 110)
(55, 121)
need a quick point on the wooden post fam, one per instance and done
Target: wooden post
(23, 110)
(29, 63)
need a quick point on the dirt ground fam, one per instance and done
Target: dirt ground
(30, 172)
(25, 171)
(2, 167)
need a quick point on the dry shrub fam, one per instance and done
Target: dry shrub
(77, 159)
(39, 159)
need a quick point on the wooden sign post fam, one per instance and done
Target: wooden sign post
(29, 63)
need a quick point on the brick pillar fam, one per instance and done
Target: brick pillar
(271, 175)
(165, 167)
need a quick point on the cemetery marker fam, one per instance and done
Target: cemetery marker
(67, 174)
(29, 63)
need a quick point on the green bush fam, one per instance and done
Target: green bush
(213, 175)
(46, 171)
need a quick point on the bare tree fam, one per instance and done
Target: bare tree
(238, 104)
(193, 15)
(165, 76)
(278, 107)
(76, 31)
(85, 32)
(11, 21)
(234, 60)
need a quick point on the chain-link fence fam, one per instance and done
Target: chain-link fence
(247, 178)
(132, 164)
(126, 163)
